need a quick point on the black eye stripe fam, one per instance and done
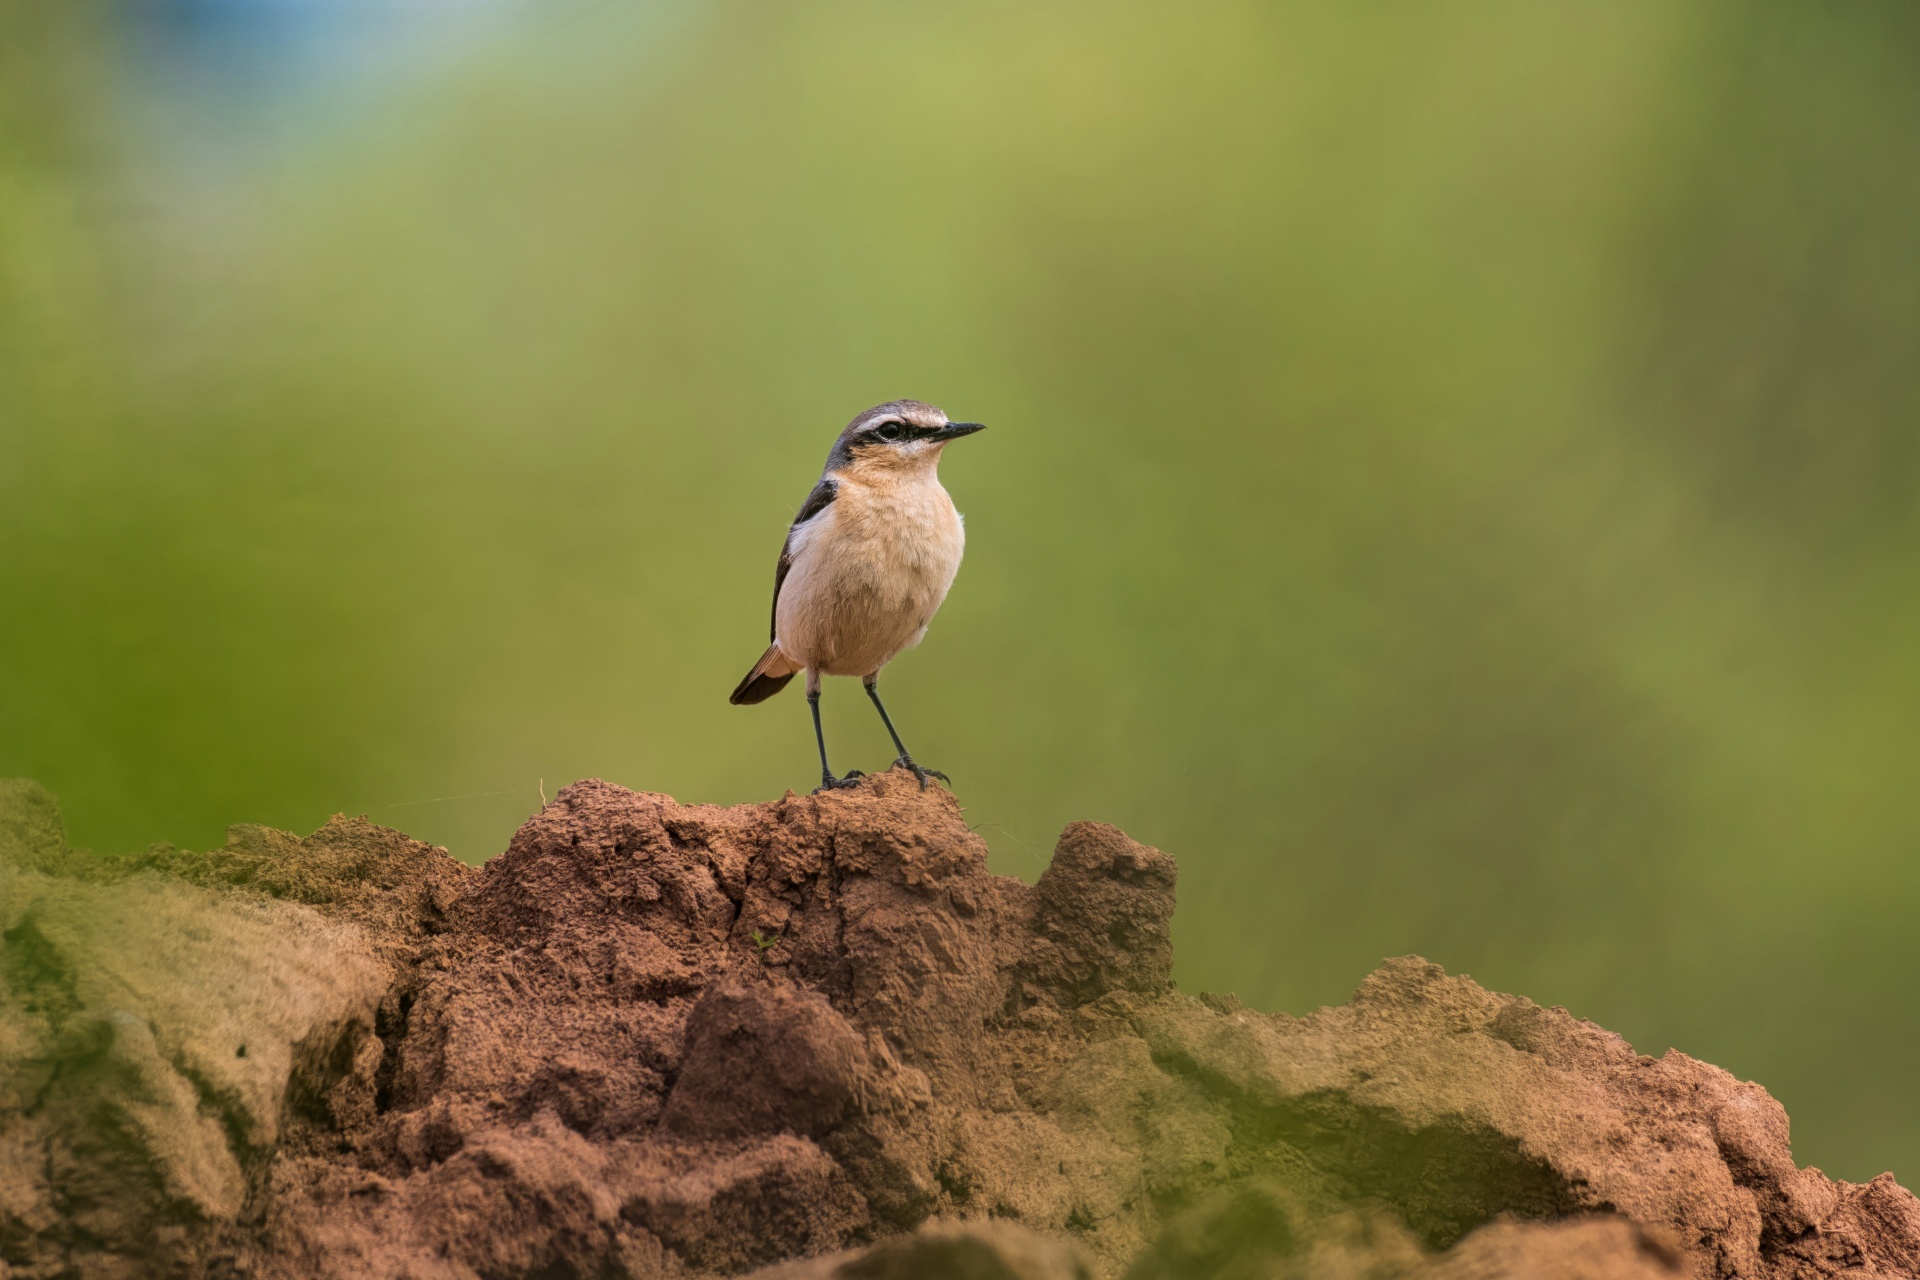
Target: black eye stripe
(895, 432)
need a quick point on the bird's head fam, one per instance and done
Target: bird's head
(901, 435)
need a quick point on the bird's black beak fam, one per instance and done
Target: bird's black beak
(954, 430)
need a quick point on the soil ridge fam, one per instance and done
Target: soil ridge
(804, 1039)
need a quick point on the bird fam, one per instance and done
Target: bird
(866, 565)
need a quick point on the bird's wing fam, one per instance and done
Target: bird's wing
(817, 501)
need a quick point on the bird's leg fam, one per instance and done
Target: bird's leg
(827, 781)
(906, 757)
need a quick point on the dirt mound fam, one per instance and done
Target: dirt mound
(159, 1045)
(814, 1037)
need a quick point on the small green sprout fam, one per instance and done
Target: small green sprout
(766, 942)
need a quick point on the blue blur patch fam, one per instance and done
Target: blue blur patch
(280, 57)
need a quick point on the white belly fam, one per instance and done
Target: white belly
(867, 575)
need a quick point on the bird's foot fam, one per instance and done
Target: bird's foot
(830, 783)
(921, 771)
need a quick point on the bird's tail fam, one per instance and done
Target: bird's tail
(768, 677)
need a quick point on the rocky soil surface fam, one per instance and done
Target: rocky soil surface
(810, 1039)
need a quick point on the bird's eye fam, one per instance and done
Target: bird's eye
(889, 431)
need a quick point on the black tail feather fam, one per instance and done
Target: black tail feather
(758, 688)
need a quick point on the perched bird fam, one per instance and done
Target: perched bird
(865, 566)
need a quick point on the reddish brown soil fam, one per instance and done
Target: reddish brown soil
(816, 1037)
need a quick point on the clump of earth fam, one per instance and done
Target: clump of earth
(808, 1039)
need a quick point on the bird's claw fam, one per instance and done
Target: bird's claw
(830, 783)
(921, 771)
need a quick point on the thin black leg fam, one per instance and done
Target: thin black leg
(906, 757)
(813, 705)
(827, 781)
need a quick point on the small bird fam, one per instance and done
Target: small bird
(866, 565)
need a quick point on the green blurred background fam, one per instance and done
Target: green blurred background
(1451, 480)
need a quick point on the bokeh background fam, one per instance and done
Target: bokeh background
(1451, 480)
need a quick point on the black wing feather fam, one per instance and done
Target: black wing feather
(817, 501)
